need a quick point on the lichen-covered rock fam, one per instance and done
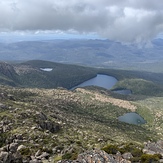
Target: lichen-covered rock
(50, 126)
(44, 155)
(21, 147)
(6, 157)
(38, 153)
(127, 155)
(153, 147)
(95, 156)
(35, 161)
(10, 153)
(13, 147)
(3, 106)
(17, 158)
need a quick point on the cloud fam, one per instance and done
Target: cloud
(121, 20)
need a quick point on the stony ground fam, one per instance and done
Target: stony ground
(53, 124)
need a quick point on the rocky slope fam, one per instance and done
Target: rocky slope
(7, 74)
(37, 125)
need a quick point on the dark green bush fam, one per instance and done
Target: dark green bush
(66, 156)
(147, 158)
(70, 156)
(135, 159)
(25, 152)
(132, 148)
(3, 137)
(111, 149)
(48, 150)
(136, 152)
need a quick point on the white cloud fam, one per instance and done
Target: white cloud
(122, 20)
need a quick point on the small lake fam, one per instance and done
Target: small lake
(100, 80)
(123, 91)
(132, 118)
(46, 69)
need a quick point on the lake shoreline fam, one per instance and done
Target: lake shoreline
(101, 80)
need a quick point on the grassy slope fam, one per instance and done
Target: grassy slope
(87, 119)
(85, 116)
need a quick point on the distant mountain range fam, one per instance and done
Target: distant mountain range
(99, 53)
(41, 120)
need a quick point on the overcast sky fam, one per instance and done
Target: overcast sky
(120, 20)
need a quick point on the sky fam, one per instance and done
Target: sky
(128, 21)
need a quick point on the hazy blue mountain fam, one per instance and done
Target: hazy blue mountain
(102, 53)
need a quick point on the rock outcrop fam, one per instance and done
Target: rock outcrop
(154, 148)
(9, 154)
(97, 156)
(45, 124)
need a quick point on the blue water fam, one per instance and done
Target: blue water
(100, 80)
(132, 118)
(123, 91)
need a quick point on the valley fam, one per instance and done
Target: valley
(47, 121)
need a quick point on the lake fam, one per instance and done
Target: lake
(123, 91)
(46, 69)
(132, 118)
(100, 80)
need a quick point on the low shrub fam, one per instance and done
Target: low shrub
(70, 156)
(111, 149)
(25, 152)
(147, 158)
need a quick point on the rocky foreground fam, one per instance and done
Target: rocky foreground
(152, 152)
(57, 125)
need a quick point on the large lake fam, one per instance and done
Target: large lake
(100, 80)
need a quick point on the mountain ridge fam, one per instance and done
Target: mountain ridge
(97, 53)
